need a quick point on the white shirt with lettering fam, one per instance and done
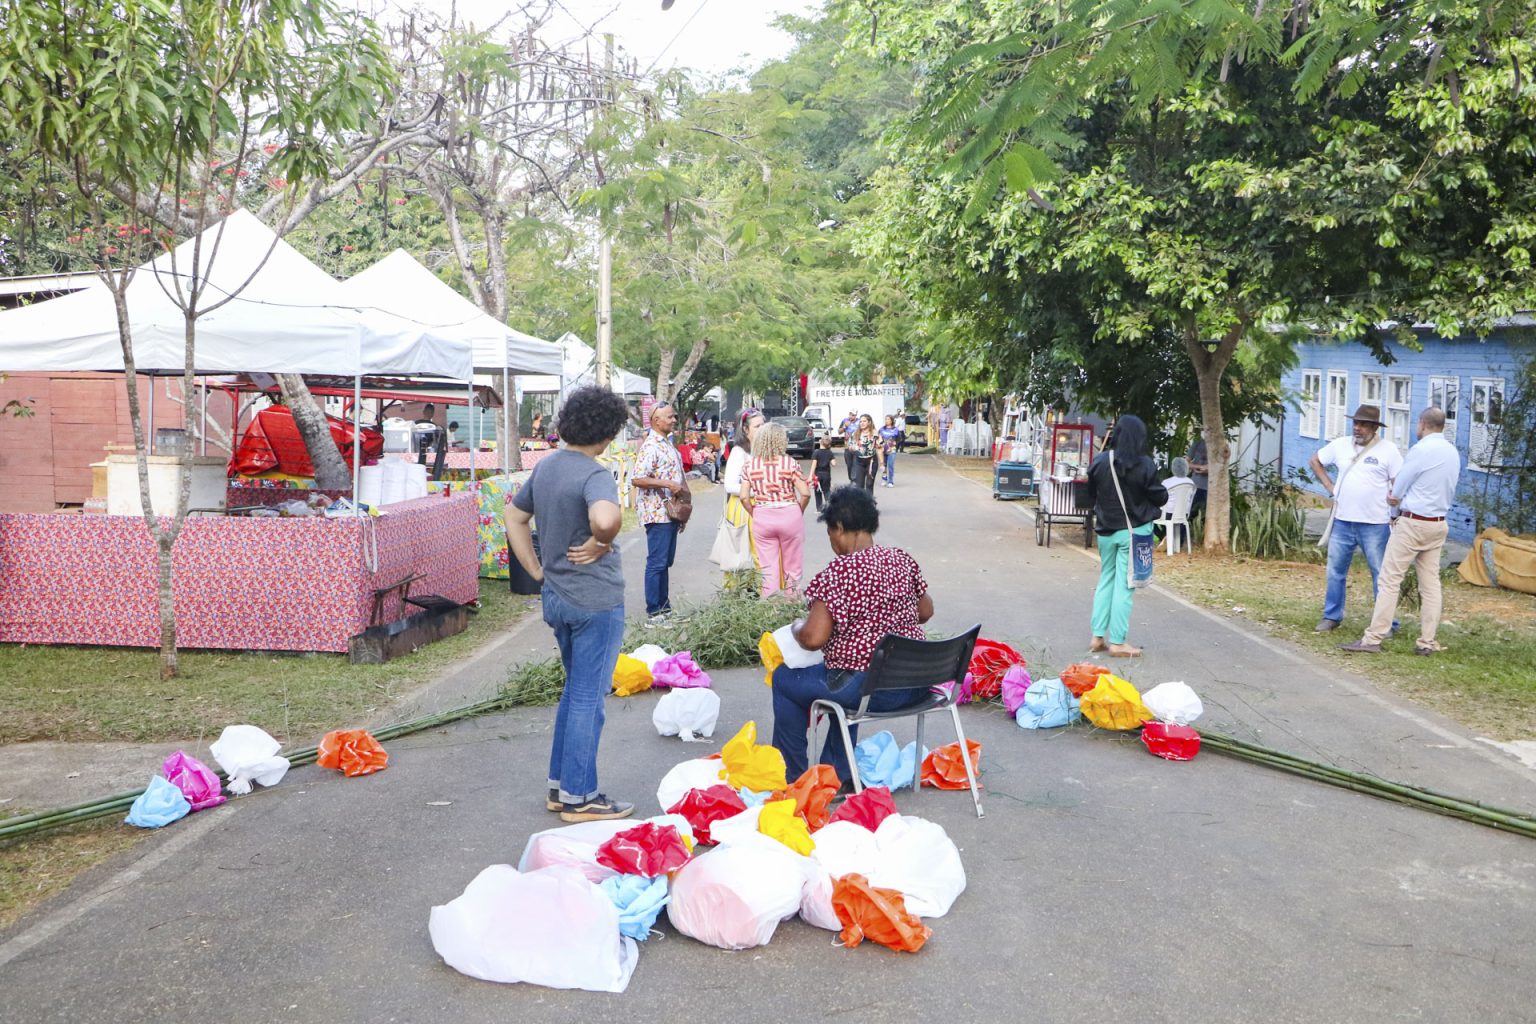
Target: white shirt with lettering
(1362, 496)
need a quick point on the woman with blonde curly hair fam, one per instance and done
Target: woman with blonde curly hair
(776, 492)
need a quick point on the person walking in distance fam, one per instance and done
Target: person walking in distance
(659, 476)
(848, 428)
(1422, 494)
(866, 453)
(821, 460)
(776, 494)
(736, 512)
(890, 440)
(576, 503)
(1134, 506)
(1366, 464)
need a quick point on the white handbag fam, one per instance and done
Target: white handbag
(732, 550)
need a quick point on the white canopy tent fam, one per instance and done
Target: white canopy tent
(283, 314)
(399, 286)
(580, 368)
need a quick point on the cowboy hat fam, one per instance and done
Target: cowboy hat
(1368, 414)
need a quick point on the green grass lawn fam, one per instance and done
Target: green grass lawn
(78, 694)
(33, 868)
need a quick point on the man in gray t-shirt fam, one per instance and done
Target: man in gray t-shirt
(576, 503)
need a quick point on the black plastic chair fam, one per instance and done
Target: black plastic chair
(900, 663)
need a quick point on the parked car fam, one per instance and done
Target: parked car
(801, 433)
(819, 428)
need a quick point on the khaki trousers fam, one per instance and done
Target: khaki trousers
(1417, 543)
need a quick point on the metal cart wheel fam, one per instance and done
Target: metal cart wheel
(1039, 527)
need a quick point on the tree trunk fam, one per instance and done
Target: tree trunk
(690, 363)
(1209, 370)
(331, 472)
(664, 377)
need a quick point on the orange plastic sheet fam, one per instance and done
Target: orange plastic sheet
(879, 915)
(945, 768)
(813, 793)
(1082, 677)
(352, 752)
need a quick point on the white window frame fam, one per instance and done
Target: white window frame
(1370, 389)
(1336, 403)
(1482, 449)
(1449, 402)
(1399, 412)
(1311, 403)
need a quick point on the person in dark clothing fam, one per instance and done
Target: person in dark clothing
(821, 459)
(1200, 473)
(1117, 513)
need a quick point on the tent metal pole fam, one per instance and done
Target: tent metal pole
(506, 421)
(202, 385)
(357, 443)
(474, 453)
(150, 427)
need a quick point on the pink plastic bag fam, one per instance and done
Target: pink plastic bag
(195, 780)
(1015, 682)
(679, 670)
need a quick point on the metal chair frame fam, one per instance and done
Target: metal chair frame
(901, 663)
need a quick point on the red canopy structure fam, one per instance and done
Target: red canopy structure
(272, 441)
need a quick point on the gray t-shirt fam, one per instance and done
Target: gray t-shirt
(1197, 455)
(562, 487)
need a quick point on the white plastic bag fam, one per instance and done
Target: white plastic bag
(816, 898)
(735, 895)
(1174, 703)
(248, 754)
(688, 713)
(795, 656)
(648, 653)
(575, 846)
(914, 856)
(738, 827)
(700, 773)
(551, 927)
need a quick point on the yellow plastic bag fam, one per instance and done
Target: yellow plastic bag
(768, 648)
(630, 676)
(1114, 703)
(778, 820)
(749, 766)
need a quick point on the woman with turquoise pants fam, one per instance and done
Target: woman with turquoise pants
(1116, 515)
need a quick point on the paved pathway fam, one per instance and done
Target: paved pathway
(1105, 884)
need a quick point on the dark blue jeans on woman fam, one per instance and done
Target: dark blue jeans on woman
(589, 648)
(793, 691)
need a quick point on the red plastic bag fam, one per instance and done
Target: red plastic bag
(945, 769)
(1082, 677)
(989, 661)
(1171, 742)
(879, 915)
(701, 808)
(868, 808)
(647, 850)
(352, 751)
(812, 793)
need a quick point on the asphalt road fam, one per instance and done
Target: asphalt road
(1104, 884)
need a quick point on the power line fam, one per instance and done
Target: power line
(697, 11)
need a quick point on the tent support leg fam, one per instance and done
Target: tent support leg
(357, 441)
(506, 422)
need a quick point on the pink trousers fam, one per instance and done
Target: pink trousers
(780, 536)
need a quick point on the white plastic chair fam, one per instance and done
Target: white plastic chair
(1176, 514)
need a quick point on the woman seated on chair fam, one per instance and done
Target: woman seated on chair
(867, 592)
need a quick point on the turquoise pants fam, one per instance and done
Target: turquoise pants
(1112, 600)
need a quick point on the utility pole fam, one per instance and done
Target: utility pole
(605, 262)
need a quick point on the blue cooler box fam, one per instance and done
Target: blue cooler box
(1013, 480)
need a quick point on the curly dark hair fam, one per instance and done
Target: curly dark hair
(591, 415)
(852, 508)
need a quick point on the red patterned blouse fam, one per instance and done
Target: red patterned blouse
(772, 481)
(870, 593)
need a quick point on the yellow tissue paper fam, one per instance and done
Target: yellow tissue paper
(750, 766)
(630, 676)
(768, 647)
(1114, 703)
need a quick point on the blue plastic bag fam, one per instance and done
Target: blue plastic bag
(1048, 704)
(752, 798)
(639, 901)
(882, 763)
(160, 804)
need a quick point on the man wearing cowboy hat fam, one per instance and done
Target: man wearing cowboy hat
(1364, 464)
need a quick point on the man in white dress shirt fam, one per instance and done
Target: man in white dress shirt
(1422, 495)
(1364, 464)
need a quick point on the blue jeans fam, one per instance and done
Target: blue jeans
(890, 467)
(1370, 538)
(660, 550)
(793, 691)
(589, 648)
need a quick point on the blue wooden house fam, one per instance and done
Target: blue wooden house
(1468, 377)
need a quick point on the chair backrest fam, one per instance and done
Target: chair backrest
(901, 663)
(1180, 498)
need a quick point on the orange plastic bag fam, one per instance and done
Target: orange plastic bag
(813, 793)
(750, 766)
(945, 769)
(1114, 703)
(879, 915)
(1082, 677)
(352, 751)
(768, 650)
(630, 676)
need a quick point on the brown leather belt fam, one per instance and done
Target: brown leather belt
(1424, 519)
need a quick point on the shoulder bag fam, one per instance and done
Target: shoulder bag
(1142, 545)
(1338, 481)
